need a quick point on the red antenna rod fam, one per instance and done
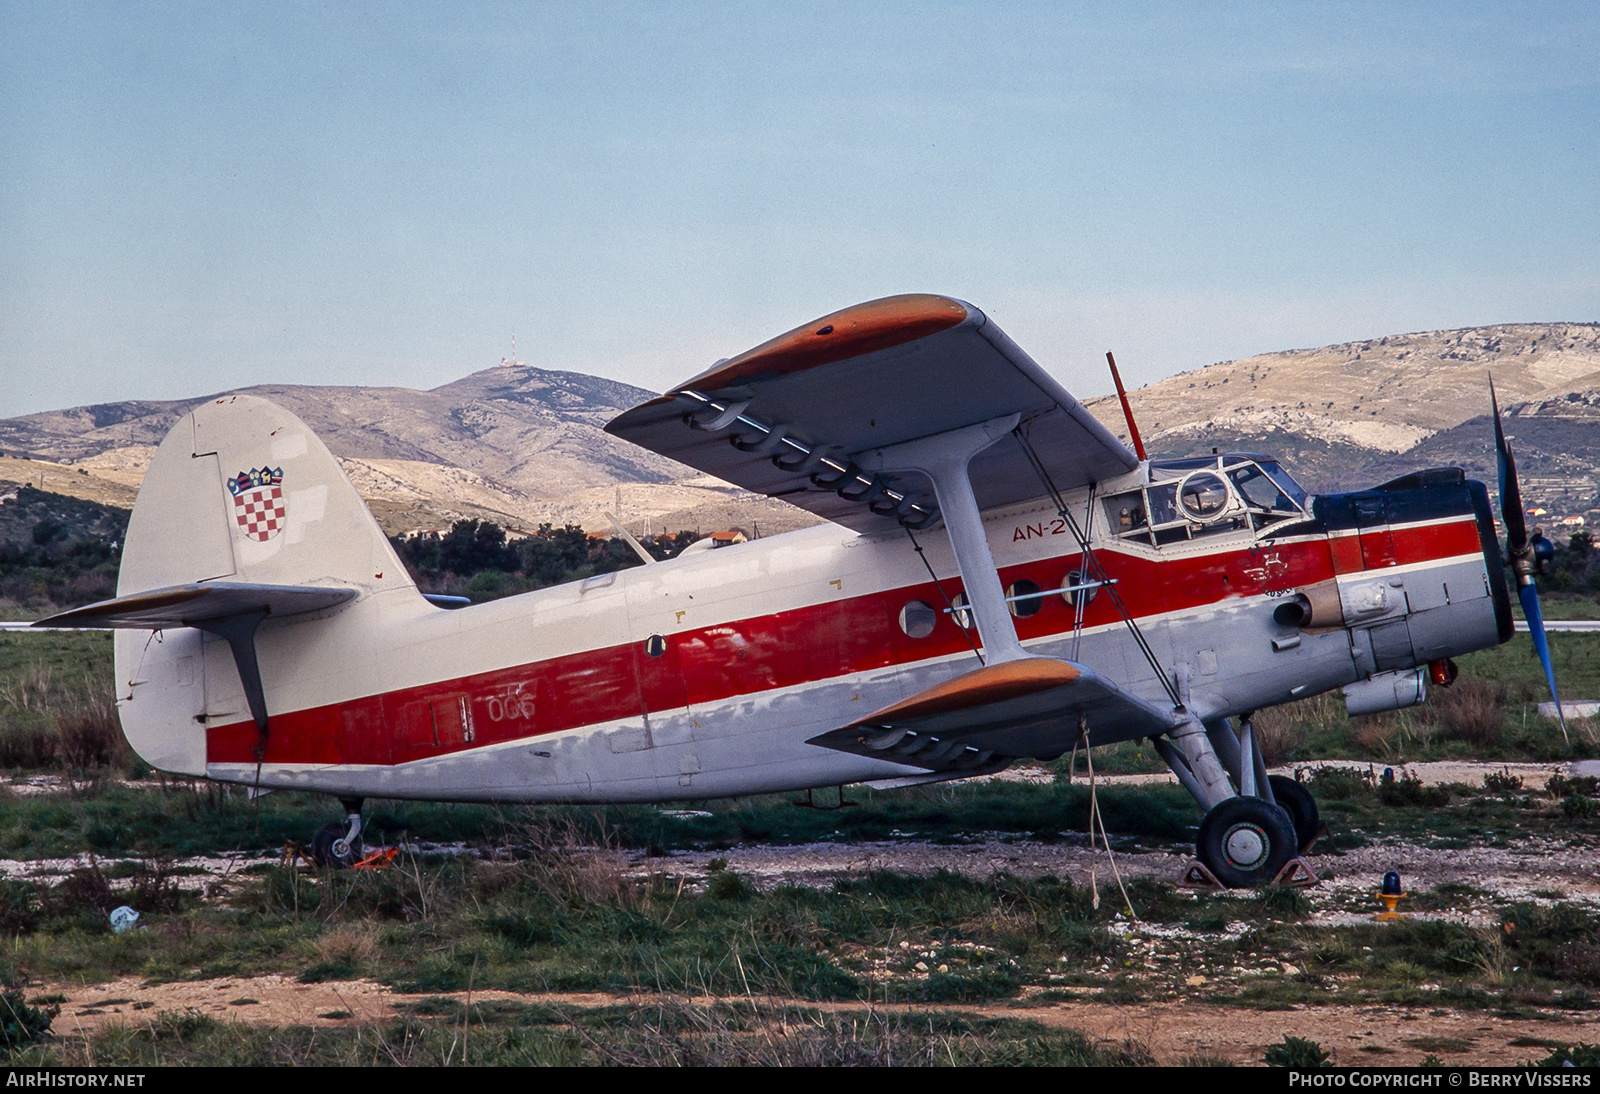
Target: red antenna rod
(1127, 411)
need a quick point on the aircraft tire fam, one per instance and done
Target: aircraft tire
(1246, 841)
(322, 846)
(1297, 801)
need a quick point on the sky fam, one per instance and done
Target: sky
(196, 197)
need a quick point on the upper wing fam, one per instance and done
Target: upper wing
(786, 418)
(1033, 707)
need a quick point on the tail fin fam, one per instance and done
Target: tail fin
(243, 516)
(242, 490)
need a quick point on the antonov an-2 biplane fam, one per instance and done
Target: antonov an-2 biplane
(999, 578)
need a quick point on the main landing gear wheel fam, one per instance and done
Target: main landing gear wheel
(328, 846)
(1246, 841)
(1301, 807)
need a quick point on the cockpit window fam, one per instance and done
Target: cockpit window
(1205, 496)
(1260, 490)
(1291, 488)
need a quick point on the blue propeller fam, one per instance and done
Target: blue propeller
(1528, 556)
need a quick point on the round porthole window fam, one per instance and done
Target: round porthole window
(1024, 598)
(917, 619)
(1072, 588)
(655, 645)
(1204, 496)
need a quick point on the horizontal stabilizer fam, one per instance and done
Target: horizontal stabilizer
(789, 418)
(229, 610)
(1031, 707)
(191, 605)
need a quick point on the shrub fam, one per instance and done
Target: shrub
(1339, 783)
(1578, 1055)
(728, 885)
(1560, 786)
(21, 1024)
(1296, 1052)
(1409, 790)
(1502, 782)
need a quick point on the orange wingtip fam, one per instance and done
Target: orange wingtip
(990, 684)
(862, 329)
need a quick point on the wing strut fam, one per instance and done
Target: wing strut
(944, 457)
(1090, 559)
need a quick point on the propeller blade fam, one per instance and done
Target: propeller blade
(1510, 491)
(1529, 595)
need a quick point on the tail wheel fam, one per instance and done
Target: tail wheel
(328, 846)
(1301, 807)
(1246, 841)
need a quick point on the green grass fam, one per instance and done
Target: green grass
(672, 1034)
(576, 923)
(72, 654)
(1557, 605)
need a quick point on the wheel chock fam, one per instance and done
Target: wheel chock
(378, 860)
(296, 857)
(1320, 833)
(1298, 873)
(1196, 876)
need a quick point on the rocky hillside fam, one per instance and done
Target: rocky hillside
(516, 445)
(1354, 414)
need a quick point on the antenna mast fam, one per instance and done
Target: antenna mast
(1127, 411)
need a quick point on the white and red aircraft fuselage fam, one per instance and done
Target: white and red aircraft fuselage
(1061, 591)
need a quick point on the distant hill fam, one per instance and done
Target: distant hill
(522, 445)
(67, 520)
(517, 445)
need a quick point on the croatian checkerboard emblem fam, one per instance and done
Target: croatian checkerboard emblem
(258, 503)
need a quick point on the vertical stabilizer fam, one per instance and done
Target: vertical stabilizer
(240, 492)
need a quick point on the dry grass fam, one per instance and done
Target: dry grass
(31, 690)
(47, 723)
(1492, 960)
(1282, 731)
(90, 736)
(1375, 736)
(348, 944)
(1469, 710)
(573, 865)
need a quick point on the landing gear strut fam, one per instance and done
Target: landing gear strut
(339, 844)
(1255, 825)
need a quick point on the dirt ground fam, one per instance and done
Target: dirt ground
(1537, 869)
(1172, 1032)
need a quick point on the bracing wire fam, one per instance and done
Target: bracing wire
(954, 611)
(1092, 560)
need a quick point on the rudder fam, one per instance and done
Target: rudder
(243, 490)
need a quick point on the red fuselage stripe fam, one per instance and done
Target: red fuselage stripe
(805, 645)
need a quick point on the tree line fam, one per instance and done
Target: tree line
(477, 560)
